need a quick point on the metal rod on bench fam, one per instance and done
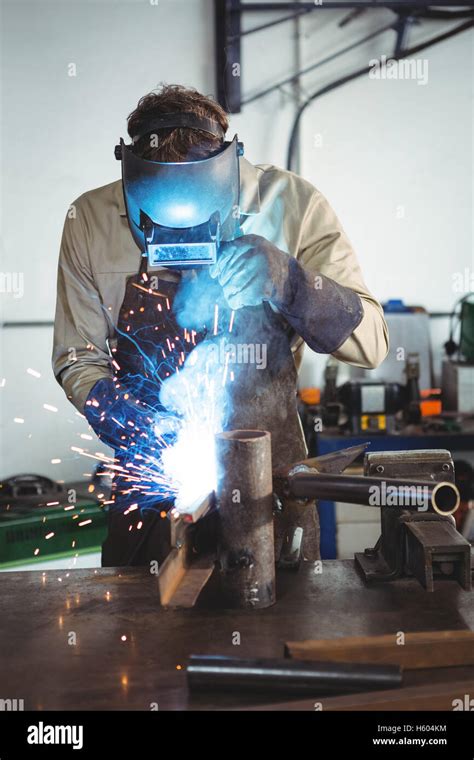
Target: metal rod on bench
(442, 498)
(245, 518)
(289, 676)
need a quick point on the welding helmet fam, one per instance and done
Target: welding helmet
(176, 210)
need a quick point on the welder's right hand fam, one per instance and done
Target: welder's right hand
(117, 419)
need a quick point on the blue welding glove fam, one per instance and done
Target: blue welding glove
(117, 419)
(252, 270)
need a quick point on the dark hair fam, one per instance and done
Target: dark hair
(175, 143)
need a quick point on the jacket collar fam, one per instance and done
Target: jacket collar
(249, 191)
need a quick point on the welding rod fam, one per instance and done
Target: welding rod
(290, 676)
(305, 482)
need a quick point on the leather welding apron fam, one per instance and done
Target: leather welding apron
(152, 343)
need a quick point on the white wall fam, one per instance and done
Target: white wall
(385, 144)
(396, 164)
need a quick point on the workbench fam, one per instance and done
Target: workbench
(130, 654)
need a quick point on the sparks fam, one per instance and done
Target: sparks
(50, 408)
(175, 457)
(226, 365)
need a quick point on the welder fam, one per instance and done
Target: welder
(191, 234)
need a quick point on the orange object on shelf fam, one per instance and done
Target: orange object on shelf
(310, 396)
(430, 404)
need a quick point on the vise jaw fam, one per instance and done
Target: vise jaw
(423, 544)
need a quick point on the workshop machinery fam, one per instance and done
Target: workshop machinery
(43, 521)
(371, 406)
(458, 369)
(232, 530)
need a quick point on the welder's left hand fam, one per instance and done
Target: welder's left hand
(251, 270)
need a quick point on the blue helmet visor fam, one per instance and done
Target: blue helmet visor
(181, 198)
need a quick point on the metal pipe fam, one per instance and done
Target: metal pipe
(270, 24)
(362, 72)
(421, 495)
(317, 64)
(39, 323)
(289, 676)
(335, 5)
(245, 519)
